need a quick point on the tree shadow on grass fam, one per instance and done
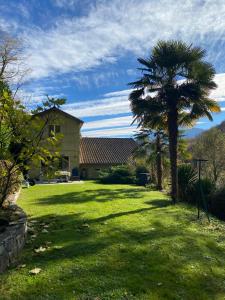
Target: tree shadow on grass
(100, 195)
(159, 203)
(112, 262)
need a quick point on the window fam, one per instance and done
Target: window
(53, 130)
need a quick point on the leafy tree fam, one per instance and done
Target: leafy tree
(174, 87)
(21, 138)
(21, 133)
(210, 145)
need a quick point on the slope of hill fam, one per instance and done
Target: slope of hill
(221, 126)
(194, 132)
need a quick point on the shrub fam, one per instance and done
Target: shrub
(207, 187)
(139, 177)
(217, 204)
(119, 174)
(189, 186)
(187, 177)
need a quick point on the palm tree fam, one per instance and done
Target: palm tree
(174, 87)
(152, 147)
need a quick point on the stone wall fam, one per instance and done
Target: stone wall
(13, 238)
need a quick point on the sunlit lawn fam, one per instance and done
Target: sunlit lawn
(115, 242)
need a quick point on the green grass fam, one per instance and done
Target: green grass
(116, 242)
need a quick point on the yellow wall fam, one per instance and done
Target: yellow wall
(70, 142)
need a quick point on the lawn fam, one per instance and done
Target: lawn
(115, 242)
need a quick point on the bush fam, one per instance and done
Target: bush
(208, 188)
(189, 186)
(119, 174)
(10, 180)
(139, 177)
(217, 204)
(187, 177)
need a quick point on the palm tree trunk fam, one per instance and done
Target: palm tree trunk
(173, 133)
(159, 162)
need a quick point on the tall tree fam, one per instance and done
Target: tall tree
(175, 85)
(210, 145)
(153, 147)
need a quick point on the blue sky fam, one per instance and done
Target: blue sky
(86, 51)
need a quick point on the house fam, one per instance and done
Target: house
(83, 156)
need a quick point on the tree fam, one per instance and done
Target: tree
(210, 145)
(12, 61)
(175, 87)
(21, 138)
(152, 147)
(21, 133)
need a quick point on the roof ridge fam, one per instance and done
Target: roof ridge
(59, 110)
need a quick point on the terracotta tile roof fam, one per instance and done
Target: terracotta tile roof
(106, 150)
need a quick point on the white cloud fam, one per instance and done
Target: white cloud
(112, 122)
(123, 131)
(115, 28)
(101, 107)
(219, 93)
(34, 97)
(111, 103)
(119, 93)
(65, 3)
(97, 79)
(117, 102)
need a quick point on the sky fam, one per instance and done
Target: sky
(86, 51)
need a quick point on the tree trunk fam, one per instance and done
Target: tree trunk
(159, 162)
(173, 133)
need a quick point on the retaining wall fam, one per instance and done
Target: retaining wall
(13, 238)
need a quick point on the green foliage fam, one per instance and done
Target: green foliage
(141, 169)
(187, 177)
(138, 170)
(10, 179)
(159, 101)
(153, 152)
(22, 140)
(50, 102)
(190, 188)
(119, 174)
(205, 186)
(217, 203)
(210, 145)
(49, 168)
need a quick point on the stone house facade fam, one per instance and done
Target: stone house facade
(83, 157)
